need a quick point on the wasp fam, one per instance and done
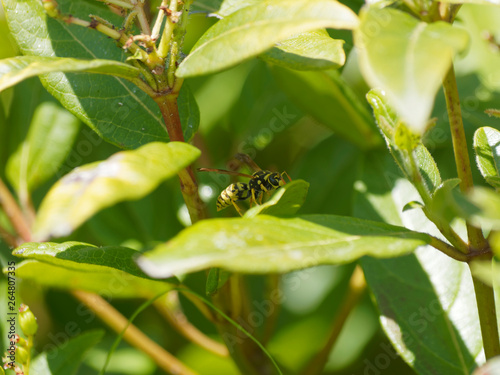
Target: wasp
(261, 181)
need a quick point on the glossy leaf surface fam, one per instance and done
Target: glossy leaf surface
(286, 201)
(313, 50)
(76, 265)
(16, 69)
(127, 175)
(266, 244)
(254, 29)
(407, 59)
(50, 138)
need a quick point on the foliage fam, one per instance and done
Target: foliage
(383, 198)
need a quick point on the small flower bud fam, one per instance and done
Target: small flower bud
(21, 354)
(50, 7)
(27, 321)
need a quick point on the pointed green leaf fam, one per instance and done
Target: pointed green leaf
(49, 141)
(266, 244)
(284, 202)
(116, 109)
(65, 359)
(82, 256)
(487, 147)
(75, 265)
(254, 29)
(16, 69)
(329, 99)
(127, 175)
(392, 128)
(312, 50)
(407, 59)
(426, 300)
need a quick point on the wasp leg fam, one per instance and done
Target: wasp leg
(238, 208)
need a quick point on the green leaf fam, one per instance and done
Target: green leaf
(265, 244)
(228, 7)
(402, 142)
(16, 69)
(312, 50)
(127, 175)
(254, 29)
(65, 359)
(327, 97)
(427, 307)
(285, 202)
(82, 256)
(76, 265)
(407, 59)
(487, 147)
(115, 108)
(48, 143)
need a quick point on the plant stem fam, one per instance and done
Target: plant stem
(141, 16)
(357, 286)
(476, 238)
(116, 321)
(169, 306)
(189, 186)
(484, 294)
(231, 299)
(448, 250)
(485, 300)
(14, 213)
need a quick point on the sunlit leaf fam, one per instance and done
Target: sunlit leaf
(266, 244)
(107, 270)
(492, 367)
(16, 69)
(49, 141)
(254, 29)
(286, 201)
(127, 175)
(487, 147)
(312, 50)
(407, 59)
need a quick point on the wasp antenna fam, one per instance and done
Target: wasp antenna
(223, 171)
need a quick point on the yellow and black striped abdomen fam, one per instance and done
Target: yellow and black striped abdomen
(235, 192)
